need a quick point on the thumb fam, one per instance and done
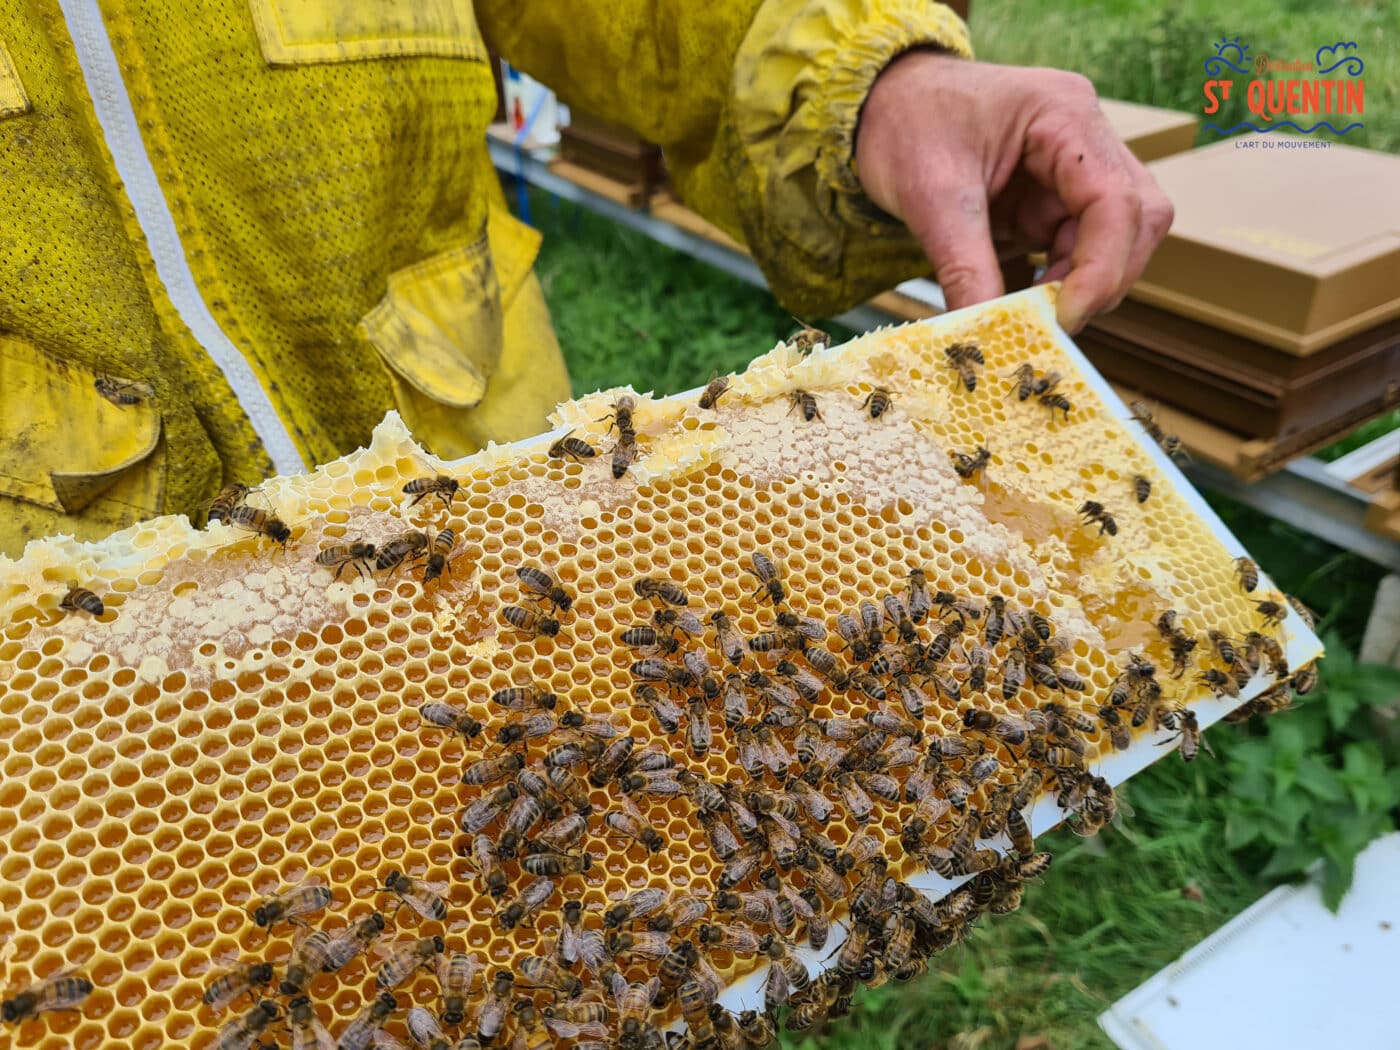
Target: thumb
(952, 225)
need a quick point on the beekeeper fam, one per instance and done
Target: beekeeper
(234, 232)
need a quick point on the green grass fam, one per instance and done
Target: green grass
(1112, 910)
(1151, 53)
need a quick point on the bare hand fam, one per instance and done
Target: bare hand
(968, 152)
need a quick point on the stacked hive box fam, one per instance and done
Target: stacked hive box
(237, 722)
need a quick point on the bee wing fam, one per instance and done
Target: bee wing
(382, 1040)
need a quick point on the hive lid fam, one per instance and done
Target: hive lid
(1151, 132)
(1281, 238)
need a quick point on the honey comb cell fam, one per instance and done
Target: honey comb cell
(239, 722)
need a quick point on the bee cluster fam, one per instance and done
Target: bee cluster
(723, 726)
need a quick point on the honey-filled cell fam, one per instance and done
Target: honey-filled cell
(250, 747)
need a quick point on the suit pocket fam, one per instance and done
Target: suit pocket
(75, 442)
(301, 32)
(439, 329)
(13, 100)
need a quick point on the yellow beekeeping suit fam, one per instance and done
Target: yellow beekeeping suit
(234, 233)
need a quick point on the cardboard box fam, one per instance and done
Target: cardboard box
(1281, 239)
(1296, 403)
(1150, 131)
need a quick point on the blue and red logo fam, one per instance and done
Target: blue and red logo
(1330, 85)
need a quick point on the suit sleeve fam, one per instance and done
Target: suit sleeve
(756, 105)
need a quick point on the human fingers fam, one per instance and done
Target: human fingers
(1157, 215)
(1073, 151)
(949, 217)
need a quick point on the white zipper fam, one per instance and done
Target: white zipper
(118, 120)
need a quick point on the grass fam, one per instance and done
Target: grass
(1115, 909)
(1150, 53)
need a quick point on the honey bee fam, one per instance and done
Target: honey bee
(1247, 572)
(807, 339)
(482, 812)
(561, 835)
(308, 1033)
(668, 714)
(1024, 378)
(424, 1030)
(347, 944)
(661, 590)
(1257, 645)
(64, 993)
(438, 555)
(1094, 514)
(624, 452)
(695, 1002)
(636, 905)
(1218, 682)
(491, 1016)
(237, 981)
(633, 1003)
(525, 698)
(727, 638)
(606, 767)
(1118, 733)
(531, 727)
(650, 639)
(542, 584)
(539, 971)
(963, 359)
(1056, 403)
(398, 550)
(804, 400)
(1189, 735)
(969, 466)
(699, 734)
(262, 522)
(121, 392)
(1224, 647)
(402, 958)
(360, 555)
(851, 633)
(1013, 674)
(630, 823)
(578, 1012)
(714, 389)
(417, 894)
(1007, 728)
(440, 485)
(239, 1034)
(222, 505)
(1272, 612)
(1304, 613)
(530, 900)
(291, 906)
(1142, 487)
(524, 814)
(1304, 680)
(995, 624)
(529, 621)
(878, 401)
(309, 956)
(621, 414)
(570, 447)
(488, 770)
(82, 598)
(557, 863)
(456, 972)
(770, 584)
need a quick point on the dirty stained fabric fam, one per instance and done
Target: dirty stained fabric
(325, 171)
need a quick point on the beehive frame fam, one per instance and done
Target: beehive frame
(198, 712)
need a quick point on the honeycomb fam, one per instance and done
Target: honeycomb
(238, 722)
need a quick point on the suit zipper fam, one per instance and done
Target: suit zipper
(118, 121)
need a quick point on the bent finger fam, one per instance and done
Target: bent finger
(952, 226)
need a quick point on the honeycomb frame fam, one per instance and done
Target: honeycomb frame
(123, 728)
